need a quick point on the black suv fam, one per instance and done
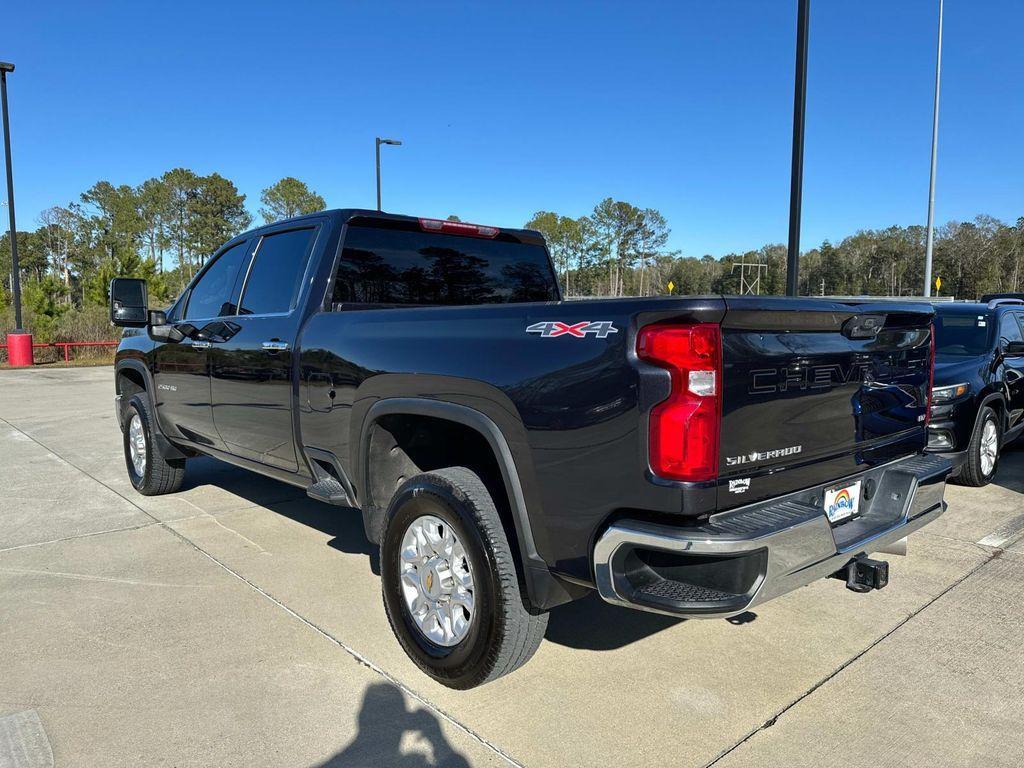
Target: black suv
(978, 397)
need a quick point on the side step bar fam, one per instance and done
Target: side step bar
(331, 486)
(329, 490)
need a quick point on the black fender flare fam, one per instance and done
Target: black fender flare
(167, 449)
(147, 376)
(543, 588)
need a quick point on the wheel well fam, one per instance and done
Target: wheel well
(405, 445)
(997, 405)
(129, 381)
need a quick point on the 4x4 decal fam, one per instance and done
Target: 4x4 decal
(549, 329)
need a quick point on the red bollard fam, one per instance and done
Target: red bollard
(19, 349)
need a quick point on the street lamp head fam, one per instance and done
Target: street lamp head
(392, 142)
(6, 66)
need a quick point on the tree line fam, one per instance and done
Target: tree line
(166, 227)
(619, 249)
(162, 230)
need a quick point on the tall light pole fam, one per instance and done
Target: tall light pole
(6, 67)
(796, 181)
(392, 142)
(929, 242)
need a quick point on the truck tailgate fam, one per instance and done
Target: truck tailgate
(814, 391)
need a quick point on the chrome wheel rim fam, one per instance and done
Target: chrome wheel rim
(137, 445)
(437, 581)
(989, 447)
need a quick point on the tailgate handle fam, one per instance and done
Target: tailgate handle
(863, 326)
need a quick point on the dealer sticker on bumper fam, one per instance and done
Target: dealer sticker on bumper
(842, 503)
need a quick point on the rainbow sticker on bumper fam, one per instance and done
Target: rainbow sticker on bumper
(842, 503)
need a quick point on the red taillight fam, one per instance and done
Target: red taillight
(458, 228)
(931, 374)
(684, 427)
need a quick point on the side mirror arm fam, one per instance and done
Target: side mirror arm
(166, 332)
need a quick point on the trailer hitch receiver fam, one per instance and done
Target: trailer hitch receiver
(862, 574)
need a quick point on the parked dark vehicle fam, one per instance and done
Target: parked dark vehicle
(510, 451)
(978, 398)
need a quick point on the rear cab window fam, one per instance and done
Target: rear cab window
(397, 262)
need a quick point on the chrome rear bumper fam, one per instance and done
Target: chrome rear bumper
(745, 557)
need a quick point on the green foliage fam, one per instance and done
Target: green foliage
(619, 249)
(42, 306)
(66, 265)
(216, 214)
(287, 198)
(165, 228)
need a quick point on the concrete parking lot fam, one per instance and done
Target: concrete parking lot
(240, 623)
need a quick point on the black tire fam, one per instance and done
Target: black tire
(160, 475)
(503, 632)
(972, 471)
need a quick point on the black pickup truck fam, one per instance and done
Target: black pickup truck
(511, 451)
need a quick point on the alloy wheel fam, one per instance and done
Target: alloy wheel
(437, 581)
(137, 444)
(989, 448)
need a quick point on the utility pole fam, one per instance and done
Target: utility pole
(380, 141)
(797, 174)
(931, 176)
(6, 67)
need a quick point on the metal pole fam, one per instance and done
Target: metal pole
(15, 268)
(931, 177)
(378, 173)
(797, 174)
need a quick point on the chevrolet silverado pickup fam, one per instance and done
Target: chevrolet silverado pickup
(511, 451)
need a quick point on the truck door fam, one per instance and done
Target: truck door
(251, 369)
(181, 370)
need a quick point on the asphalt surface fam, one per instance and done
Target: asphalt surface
(238, 623)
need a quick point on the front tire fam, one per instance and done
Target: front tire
(150, 473)
(983, 451)
(449, 582)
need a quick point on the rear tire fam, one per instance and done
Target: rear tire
(150, 473)
(472, 640)
(983, 451)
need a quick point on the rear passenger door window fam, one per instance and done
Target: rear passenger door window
(275, 275)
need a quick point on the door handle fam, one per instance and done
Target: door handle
(275, 345)
(200, 345)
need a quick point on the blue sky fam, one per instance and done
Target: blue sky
(507, 109)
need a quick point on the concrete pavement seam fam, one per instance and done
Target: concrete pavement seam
(993, 555)
(351, 651)
(85, 535)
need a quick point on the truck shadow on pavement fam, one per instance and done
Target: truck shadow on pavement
(1010, 472)
(343, 524)
(587, 624)
(592, 624)
(390, 734)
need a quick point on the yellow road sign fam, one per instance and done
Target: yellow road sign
(671, 286)
(938, 283)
